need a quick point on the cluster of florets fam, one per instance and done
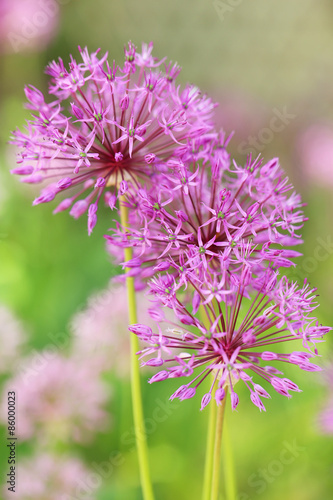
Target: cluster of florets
(209, 214)
(208, 235)
(232, 336)
(108, 129)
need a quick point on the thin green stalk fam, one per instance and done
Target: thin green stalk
(209, 450)
(228, 464)
(213, 447)
(217, 450)
(139, 426)
(207, 485)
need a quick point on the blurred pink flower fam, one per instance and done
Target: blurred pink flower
(325, 417)
(46, 476)
(315, 150)
(240, 112)
(27, 24)
(58, 398)
(12, 338)
(101, 330)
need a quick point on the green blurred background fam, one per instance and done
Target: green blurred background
(255, 58)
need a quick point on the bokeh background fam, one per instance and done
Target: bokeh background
(270, 65)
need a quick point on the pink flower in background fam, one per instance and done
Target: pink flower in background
(242, 113)
(59, 398)
(325, 417)
(12, 338)
(27, 25)
(52, 477)
(315, 149)
(101, 330)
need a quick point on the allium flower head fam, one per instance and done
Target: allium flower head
(213, 216)
(107, 128)
(254, 316)
(59, 398)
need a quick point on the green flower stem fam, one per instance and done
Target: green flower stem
(217, 450)
(228, 464)
(210, 450)
(207, 485)
(140, 431)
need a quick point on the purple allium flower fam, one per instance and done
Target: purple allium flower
(213, 216)
(59, 398)
(45, 475)
(251, 318)
(108, 128)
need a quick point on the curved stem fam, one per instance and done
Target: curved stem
(217, 450)
(139, 426)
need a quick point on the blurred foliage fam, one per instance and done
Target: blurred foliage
(277, 53)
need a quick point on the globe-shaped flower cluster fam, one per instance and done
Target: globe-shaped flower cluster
(209, 236)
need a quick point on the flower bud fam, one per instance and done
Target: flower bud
(182, 215)
(79, 208)
(205, 400)
(22, 170)
(188, 393)
(64, 183)
(63, 205)
(33, 179)
(118, 157)
(34, 96)
(124, 102)
(150, 158)
(77, 112)
(219, 395)
(269, 356)
(139, 329)
(123, 187)
(100, 182)
(234, 400)
(257, 401)
(159, 376)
